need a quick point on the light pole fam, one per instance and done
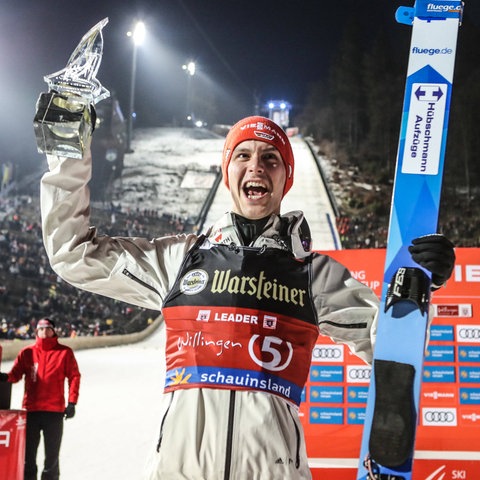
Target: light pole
(190, 71)
(138, 36)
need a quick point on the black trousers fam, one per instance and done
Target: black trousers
(51, 425)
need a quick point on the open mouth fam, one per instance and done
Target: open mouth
(255, 190)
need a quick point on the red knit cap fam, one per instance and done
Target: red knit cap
(263, 129)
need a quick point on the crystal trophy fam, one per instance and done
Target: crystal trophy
(65, 116)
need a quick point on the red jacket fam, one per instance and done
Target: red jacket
(46, 365)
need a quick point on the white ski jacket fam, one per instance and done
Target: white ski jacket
(209, 432)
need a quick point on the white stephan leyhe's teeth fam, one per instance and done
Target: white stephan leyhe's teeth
(254, 195)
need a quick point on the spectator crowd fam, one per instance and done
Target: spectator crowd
(368, 230)
(30, 290)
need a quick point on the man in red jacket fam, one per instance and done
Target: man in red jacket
(45, 365)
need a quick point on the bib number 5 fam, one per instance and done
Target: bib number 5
(273, 347)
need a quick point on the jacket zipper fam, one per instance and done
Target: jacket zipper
(228, 453)
(346, 325)
(141, 282)
(297, 433)
(163, 421)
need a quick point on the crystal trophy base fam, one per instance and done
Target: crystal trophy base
(62, 124)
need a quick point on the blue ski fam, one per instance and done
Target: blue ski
(392, 412)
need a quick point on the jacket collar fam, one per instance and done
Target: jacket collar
(48, 343)
(281, 231)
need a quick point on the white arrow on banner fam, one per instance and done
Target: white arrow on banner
(423, 140)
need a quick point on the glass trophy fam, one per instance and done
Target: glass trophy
(65, 116)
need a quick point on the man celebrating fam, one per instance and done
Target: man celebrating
(45, 366)
(243, 306)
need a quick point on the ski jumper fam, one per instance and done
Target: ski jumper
(241, 322)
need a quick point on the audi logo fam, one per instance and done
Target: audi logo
(327, 352)
(439, 416)
(360, 373)
(469, 333)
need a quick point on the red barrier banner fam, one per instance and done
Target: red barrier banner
(448, 436)
(12, 443)
(423, 470)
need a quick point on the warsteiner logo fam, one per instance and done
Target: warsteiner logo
(193, 282)
(259, 287)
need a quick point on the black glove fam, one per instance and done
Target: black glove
(436, 254)
(70, 410)
(3, 377)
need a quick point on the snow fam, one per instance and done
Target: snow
(153, 174)
(117, 419)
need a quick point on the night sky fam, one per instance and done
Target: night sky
(244, 50)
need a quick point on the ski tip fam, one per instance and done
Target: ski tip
(430, 10)
(405, 15)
